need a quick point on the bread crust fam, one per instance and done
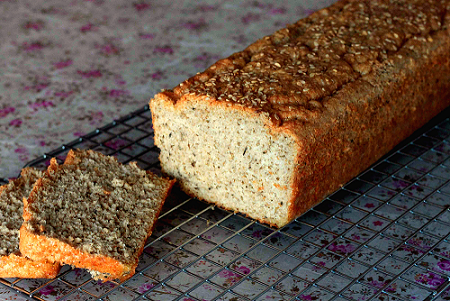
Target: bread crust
(15, 265)
(18, 266)
(341, 131)
(41, 247)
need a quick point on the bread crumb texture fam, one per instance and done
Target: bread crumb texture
(273, 129)
(95, 208)
(12, 263)
(11, 208)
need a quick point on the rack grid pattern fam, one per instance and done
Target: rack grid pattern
(383, 236)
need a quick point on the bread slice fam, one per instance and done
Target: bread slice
(12, 263)
(272, 130)
(92, 212)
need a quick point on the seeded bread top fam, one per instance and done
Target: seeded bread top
(290, 73)
(96, 204)
(11, 209)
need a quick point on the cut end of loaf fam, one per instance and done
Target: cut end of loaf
(244, 165)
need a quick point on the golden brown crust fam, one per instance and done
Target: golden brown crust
(17, 266)
(39, 247)
(347, 83)
(369, 117)
(290, 73)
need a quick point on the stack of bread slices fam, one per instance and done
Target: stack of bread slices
(91, 212)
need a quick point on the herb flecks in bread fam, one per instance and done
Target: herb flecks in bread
(11, 208)
(97, 212)
(12, 263)
(273, 129)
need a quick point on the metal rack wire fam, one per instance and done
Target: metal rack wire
(383, 236)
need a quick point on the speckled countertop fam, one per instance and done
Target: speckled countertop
(68, 67)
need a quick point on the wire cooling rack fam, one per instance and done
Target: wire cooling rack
(383, 236)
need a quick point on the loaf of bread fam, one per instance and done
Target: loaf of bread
(92, 212)
(12, 263)
(272, 130)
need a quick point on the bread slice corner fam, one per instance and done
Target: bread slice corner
(92, 212)
(12, 263)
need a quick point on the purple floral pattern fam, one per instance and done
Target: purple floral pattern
(279, 240)
(163, 293)
(183, 281)
(274, 295)
(366, 203)
(217, 234)
(235, 222)
(141, 284)
(257, 231)
(313, 294)
(292, 285)
(206, 292)
(351, 268)
(392, 265)
(285, 262)
(98, 288)
(160, 271)
(360, 292)
(375, 223)
(245, 265)
(407, 291)
(267, 275)
(309, 272)
(398, 231)
(422, 241)
(319, 237)
(296, 229)
(436, 263)
(429, 279)
(408, 253)
(326, 259)
(222, 256)
(237, 254)
(239, 244)
(336, 226)
(376, 280)
(367, 255)
(54, 92)
(29, 285)
(302, 249)
(343, 247)
(180, 258)
(359, 234)
(384, 243)
(120, 294)
(226, 278)
(333, 282)
(203, 268)
(76, 277)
